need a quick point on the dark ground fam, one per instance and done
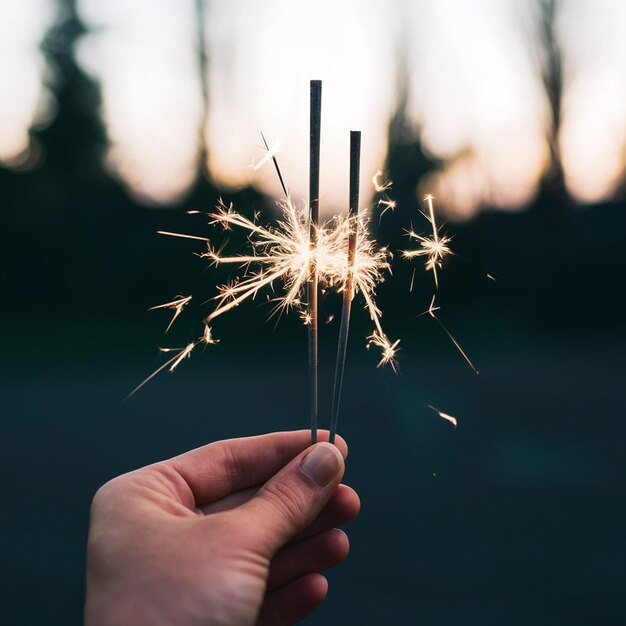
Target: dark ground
(516, 517)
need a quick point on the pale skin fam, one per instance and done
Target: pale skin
(235, 533)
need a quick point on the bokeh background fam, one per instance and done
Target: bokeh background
(118, 117)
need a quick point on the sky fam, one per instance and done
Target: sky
(472, 78)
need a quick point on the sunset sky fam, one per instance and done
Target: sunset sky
(474, 88)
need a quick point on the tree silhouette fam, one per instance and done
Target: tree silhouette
(75, 140)
(554, 181)
(203, 68)
(406, 163)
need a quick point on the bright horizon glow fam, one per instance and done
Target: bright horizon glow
(593, 132)
(143, 54)
(262, 84)
(21, 71)
(474, 90)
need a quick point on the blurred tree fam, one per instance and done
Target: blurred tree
(74, 142)
(203, 193)
(553, 183)
(407, 162)
(203, 68)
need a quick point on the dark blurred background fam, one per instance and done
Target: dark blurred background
(515, 517)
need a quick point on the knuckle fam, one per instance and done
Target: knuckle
(230, 464)
(288, 501)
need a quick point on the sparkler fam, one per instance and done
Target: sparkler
(312, 287)
(302, 256)
(342, 345)
(282, 253)
(295, 252)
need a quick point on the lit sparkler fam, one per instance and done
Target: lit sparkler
(282, 254)
(304, 257)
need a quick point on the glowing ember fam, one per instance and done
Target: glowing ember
(178, 304)
(445, 416)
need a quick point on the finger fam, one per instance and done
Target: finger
(342, 507)
(308, 557)
(218, 469)
(291, 500)
(292, 603)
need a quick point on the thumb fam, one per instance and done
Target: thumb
(293, 498)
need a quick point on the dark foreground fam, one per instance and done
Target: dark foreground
(516, 517)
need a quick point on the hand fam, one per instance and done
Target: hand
(233, 533)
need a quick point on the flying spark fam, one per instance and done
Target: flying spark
(445, 416)
(178, 304)
(270, 154)
(380, 186)
(434, 248)
(390, 205)
(431, 311)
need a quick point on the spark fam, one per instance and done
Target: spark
(388, 349)
(431, 311)
(178, 304)
(170, 365)
(380, 186)
(281, 254)
(445, 416)
(434, 248)
(183, 353)
(181, 235)
(207, 336)
(390, 205)
(270, 154)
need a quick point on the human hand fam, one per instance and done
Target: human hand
(233, 533)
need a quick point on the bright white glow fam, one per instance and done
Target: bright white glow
(143, 53)
(474, 88)
(594, 123)
(264, 54)
(22, 26)
(477, 94)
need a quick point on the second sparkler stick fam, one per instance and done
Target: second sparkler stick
(312, 287)
(348, 293)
